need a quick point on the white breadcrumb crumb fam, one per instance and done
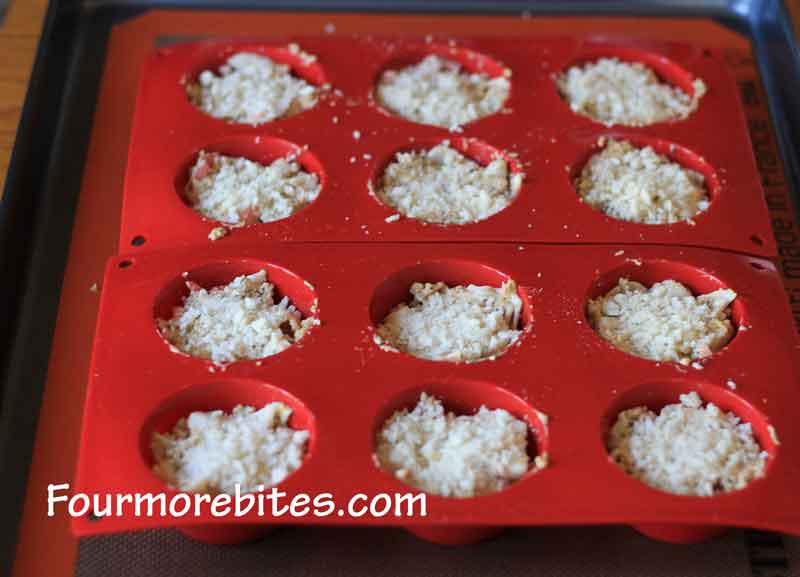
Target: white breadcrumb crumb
(640, 185)
(211, 452)
(665, 322)
(773, 435)
(462, 323)
(442, 186)
(238, 191)
(611, 91)
(251, 89)
(94, 288)
(731, 384)
(392, 218)
(217, 233)
(454, 456)
(687, 449)
(436, 91)
(237, 321)
(697, 366)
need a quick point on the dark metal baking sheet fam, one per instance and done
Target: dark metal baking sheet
(44, 178)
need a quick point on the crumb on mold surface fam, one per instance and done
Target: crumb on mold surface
(217, 233)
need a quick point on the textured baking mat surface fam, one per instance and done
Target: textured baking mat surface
(601, 552)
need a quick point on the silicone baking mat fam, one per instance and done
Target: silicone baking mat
(351, 551)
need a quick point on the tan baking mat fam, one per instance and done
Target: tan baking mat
(552, 552)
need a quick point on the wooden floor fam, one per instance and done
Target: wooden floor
(19, 35)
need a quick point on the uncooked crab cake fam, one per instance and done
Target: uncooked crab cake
(442, 186)
(665, 322)
(237, 321)
(251, 89)
(686, 448)
(458, 324)
(612, 91)
(640, 185)
(454, 456)
(238, 191)
(438, 92)
(212, 452)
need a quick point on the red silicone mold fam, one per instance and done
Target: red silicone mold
(342, 385)
(547, 140)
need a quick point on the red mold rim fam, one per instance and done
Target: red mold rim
(465, 398)
(223, 395)
(471, 61)
(474, 149)
(261, 149)
(300, 293)
(648, 272)
(394, 290)
(673, 151)
(656, 396)
(214, 54)
(667, 70)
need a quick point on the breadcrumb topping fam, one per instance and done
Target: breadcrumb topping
(217, 233)
(612, 91)
(640, 185)
(454, 456)
(238, 191)
(687, 449)
(442, 186)
(461, 323)
(665, 322)
(238, 321)
(211, 452)
(436, 91)
(251, 89)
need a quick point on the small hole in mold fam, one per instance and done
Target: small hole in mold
(757, 265)
(757, 240)
(125, 264)
(93, 517)
(465, 398)
(138, 240)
